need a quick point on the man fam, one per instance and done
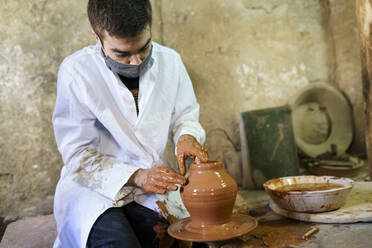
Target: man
(117, 103)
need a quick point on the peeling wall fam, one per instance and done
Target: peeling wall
(241, 55)
(246, 55)
(35, 36)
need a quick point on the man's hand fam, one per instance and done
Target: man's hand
(156, 180)
(188, 146)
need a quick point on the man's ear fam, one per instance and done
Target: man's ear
(95, 35)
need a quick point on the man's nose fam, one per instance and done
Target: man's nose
(135, 59)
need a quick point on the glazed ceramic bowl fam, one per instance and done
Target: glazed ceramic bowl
(309, 193)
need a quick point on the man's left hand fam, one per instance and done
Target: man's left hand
(188, 146)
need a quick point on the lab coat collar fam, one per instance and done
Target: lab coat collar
(147, 82)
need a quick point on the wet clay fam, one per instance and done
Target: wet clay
(300, 187)
(277, 234)
(164, 212)
(209, 195)
(188, 146)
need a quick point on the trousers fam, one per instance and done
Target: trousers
(129, 226)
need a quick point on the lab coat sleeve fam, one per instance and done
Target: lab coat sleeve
(185, 118)
(77, 138)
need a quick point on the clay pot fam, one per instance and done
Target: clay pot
(209, 195)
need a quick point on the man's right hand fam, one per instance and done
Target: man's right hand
(156, 179)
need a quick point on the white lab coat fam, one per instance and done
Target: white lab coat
(103, 142)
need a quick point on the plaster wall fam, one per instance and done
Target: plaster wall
(35, 36)
(241, 55)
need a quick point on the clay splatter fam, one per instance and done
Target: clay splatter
(164, 212)
(86, 164)
(277, 234)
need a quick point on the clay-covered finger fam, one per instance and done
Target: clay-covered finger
(181, 163)
(168, 175)
(158, 190)
(161, 183)
(166, 179)
(154, 189)
(165, 169)
(170, 178)
(174, 177)
(202, 155)
(172, 187)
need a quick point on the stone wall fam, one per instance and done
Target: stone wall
(241, 55)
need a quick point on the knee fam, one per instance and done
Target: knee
(112, 229)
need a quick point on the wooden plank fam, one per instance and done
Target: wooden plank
(270, 149)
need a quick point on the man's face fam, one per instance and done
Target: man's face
(128, 50)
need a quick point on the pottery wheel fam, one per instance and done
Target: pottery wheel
(357, 208)
(238, 226)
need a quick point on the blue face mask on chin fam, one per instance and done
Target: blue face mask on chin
(127, 70)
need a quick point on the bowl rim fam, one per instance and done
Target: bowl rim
(347, 187)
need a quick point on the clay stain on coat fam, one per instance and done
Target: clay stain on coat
(91, 163)
(164, 212)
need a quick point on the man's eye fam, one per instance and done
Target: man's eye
(144, 49)
(122, 55)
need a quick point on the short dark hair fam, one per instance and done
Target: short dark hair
(120, 18)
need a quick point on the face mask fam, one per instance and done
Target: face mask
(127, 70)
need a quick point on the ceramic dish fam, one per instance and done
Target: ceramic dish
(309, 193)
(337, 110)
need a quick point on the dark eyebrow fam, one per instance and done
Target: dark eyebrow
(128, 53)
